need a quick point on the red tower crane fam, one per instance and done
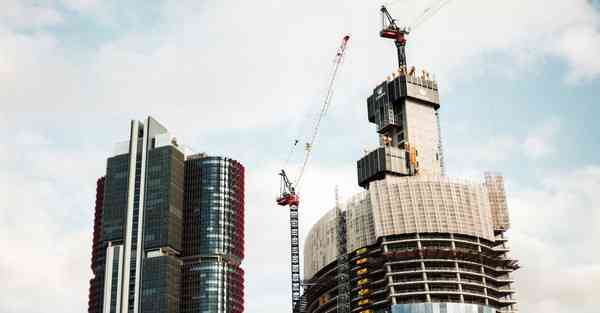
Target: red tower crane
(288, 194)
(390, 30)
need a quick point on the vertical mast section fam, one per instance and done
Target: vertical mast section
(288, 197)
(343, 269)
(440, 146)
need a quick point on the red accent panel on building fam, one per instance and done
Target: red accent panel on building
(95, 298)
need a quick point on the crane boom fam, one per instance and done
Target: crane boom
(428, 13)
(325, 107)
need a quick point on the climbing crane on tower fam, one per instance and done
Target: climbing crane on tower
(390, 30)
(288, 195)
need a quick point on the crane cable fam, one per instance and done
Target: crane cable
(428, 12)
(324, 108)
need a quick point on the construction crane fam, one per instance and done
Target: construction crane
(391, 30)
(288, 194)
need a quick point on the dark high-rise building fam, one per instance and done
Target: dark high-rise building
(169, 229)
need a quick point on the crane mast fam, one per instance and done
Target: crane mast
(288, 197)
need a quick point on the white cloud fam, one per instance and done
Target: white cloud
(581, 47)
(45, 223)
(471, 157)
(460, 38)
(542, 140)
(554, 235)
(82, 5)
(21, 15)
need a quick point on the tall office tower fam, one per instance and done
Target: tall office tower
(156, 218)
(416, 240)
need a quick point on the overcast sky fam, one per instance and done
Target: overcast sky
(520, 86)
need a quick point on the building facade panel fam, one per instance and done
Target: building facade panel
(422, 134)
(164, 198)
(359, 222)
(161, 284)
(115, 197)
(495, 184)
(320, 246)
(430, 204)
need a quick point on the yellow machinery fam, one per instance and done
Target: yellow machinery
(361, 251)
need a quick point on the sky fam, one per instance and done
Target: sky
(520, 83)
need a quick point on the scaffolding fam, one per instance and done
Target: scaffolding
(343, 268)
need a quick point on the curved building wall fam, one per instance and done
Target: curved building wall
(221, 224)
(412, 204)
(359, 222)
(213, 286)
(430, 204)
(417, 244)
(320, 247)
(214, 236)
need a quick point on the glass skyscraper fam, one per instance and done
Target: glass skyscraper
(169, 229)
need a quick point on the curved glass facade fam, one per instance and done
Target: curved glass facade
(218, 287)
(214, 236)
(221, 225)
(441, 308)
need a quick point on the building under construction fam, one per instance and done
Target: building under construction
(415, 240)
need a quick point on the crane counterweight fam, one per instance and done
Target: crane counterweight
(288, 199)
